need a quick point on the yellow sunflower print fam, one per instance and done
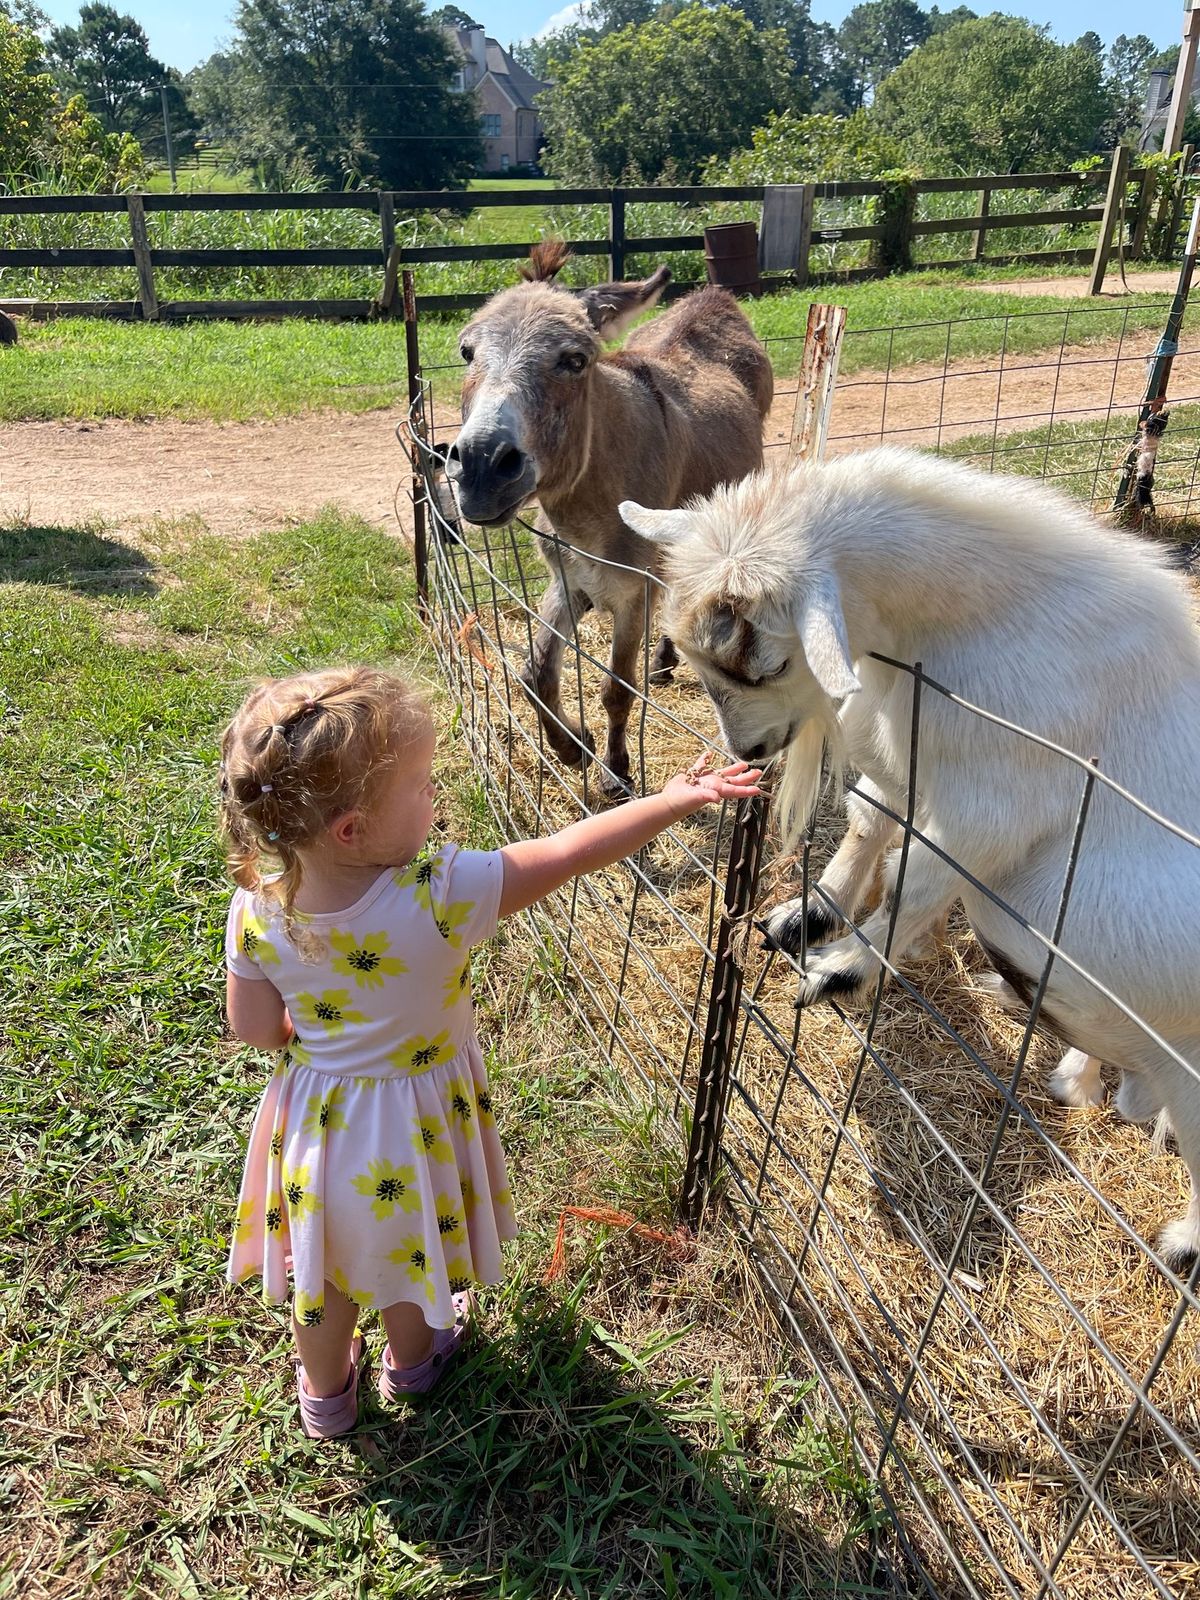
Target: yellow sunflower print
(323, 1113)
(330, 1009)
(241, 1228)
(309, 1310)
(460, 1113)
(416, 1055)
(422, 876)
(457, 985)
(460, 1275)
(449, 1219)
(297, 1053)
(361, 1297)
(253, 941)
(299, 1199)
(487, 1111)
(365, 960)
(429, 1139)
(412, 1257)
(449, 919)
(390, 1186)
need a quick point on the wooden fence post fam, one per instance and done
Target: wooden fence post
(985, 205)
(1176, 211)
(1141, 217)
(1118, 177)
(141, 256)
(818, 375)
(616, 260)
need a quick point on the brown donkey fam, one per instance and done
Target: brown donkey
(548, 414)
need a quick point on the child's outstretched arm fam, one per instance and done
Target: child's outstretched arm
(534, 867)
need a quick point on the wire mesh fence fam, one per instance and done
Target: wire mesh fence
(961, 1261)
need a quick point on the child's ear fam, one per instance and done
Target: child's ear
(346, 830)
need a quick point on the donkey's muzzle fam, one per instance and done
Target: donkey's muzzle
(491, 478)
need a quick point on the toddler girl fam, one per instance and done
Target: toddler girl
(374, 1172)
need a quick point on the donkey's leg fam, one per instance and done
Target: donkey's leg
(846, 880)
(663, 662)
(618, 696)
(541, 677)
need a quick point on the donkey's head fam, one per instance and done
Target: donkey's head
(530, 352)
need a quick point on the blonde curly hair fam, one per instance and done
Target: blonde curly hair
(301, 752)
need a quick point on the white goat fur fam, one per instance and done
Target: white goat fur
(1016, 599)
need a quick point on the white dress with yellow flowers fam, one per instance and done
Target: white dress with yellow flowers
(374, 1162)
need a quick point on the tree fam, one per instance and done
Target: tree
(360, 88)
(804, 149)
(107, 60)
(665, 96)
(995, 95)
(1127, 78)
(874, 39)
(453, 17)
(26, 99)
(939, 21)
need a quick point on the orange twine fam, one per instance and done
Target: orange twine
(465, 639)
(679, 1244)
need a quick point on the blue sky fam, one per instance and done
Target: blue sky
(182, 35)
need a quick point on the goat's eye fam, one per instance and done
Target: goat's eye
(467, 352)
(779, 671)
(573, 361)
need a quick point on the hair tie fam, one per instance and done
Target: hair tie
(278, 727)
(273, 836)
(266, 788)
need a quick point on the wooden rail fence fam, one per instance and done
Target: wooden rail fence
(1130, 198)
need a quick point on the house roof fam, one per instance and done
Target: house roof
(511, 77)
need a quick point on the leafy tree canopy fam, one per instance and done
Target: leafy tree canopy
(995, 95)
(874, 39)
(790, 148)
(107, 61)
(358, 88)
(665, 96)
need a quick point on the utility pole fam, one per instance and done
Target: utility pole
(1181, 99)
(162, 89)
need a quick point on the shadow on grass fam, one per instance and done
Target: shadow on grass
(73, 558)
(552, 1463)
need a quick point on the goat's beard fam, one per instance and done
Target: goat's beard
(800, 789)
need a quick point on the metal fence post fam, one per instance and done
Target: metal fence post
(724, 996)
(412, 355)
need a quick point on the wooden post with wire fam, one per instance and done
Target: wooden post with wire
(1138, 471)
(814, 403)
(412, 354)
(1118, 178)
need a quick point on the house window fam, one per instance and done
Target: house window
(504, 163)
(491, 126)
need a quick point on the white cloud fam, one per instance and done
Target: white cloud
(562, 19)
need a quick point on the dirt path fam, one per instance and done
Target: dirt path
(240, 477)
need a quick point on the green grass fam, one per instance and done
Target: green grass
(149, 1446)
(201, 180)
(87, 368)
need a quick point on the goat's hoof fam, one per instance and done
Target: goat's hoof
(842, 971)
(788, 922)
(1076, 1080)
(1179, 1245)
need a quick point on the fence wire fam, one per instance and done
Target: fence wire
(964, 1265)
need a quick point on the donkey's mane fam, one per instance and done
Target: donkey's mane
(546, 260)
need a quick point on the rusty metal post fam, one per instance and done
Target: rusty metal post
(724, 997)
(1159, 379)
(412, 354)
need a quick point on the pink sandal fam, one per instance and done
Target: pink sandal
(328, 1417)
(397, 1382)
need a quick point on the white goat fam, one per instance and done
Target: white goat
(779, 589)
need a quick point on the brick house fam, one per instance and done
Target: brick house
(511, 127)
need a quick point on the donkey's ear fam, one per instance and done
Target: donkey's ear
(660, 527)
(822, 629)
(611, 307)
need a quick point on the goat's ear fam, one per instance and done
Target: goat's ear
(822, 629)
(611, 307)
(660, 527)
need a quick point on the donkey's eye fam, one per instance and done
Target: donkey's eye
(573, 361)
(467, 352)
